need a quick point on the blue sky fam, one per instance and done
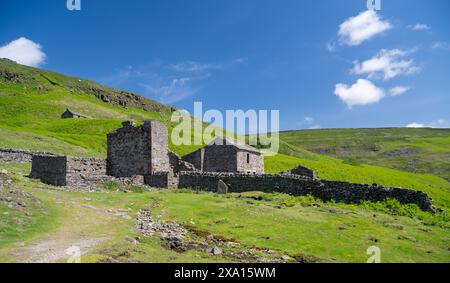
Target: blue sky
(323, 64)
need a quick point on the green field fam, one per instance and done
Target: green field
(32, 100)
(414, 150)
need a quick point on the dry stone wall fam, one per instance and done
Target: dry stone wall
(15, 156)
(50, 169)
(83, 173)
(300, 186)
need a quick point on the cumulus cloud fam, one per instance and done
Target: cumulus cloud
(398, 90)
(23, 51)
(419, 26)
(387, 63)
(441, 123)
(356, 30)
(363, 92)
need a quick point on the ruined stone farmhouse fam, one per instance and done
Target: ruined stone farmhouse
(226, 155)
(139, 150)
(140, 154)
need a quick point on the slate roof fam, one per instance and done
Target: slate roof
(238, 144)
(77, 114)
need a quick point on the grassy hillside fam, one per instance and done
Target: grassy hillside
(31, 102)
(415, 150)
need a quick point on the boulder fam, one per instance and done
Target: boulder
(216, 251)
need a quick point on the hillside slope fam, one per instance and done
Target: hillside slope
(415, 150)
(36, 220)
(32, 100)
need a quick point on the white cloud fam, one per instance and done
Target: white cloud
(314, 127)
(309, 123)
(308, 120)
(176, 90)
(387, 63)
(331, 46)
(398, 90)
(193, 67)
(441, 123)
(170, 82)
(356, 30)
(23, 51)
(363, 92)
(415, 125)
(441, 45)
(419, 26)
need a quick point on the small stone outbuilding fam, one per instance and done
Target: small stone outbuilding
(70, 114)
(226, 155)
(303, 171)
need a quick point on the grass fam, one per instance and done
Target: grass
(335, 169)
(30, 119)
(330, 231)
(415, 150)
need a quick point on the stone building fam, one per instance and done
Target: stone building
(225, 155)
(70, 114)
(141, 150)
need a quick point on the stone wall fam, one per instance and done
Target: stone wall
(84, 172)
(159, 146)
(158, 180)
(220, 158)
(138, 150)
(50, 169)
(226, 158)
(250, 162)
(15, 156)
(195, 158)
(299, 186)
(68, 171)
(177, 164)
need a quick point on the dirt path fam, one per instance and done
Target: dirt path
(82, 229)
